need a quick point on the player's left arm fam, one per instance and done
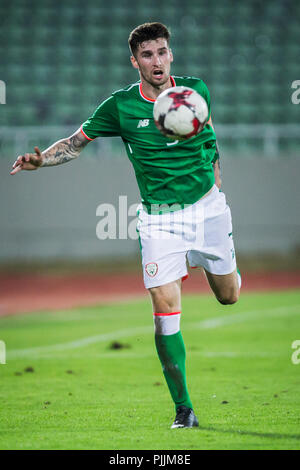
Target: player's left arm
(216, 163)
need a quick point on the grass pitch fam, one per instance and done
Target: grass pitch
(89, 378)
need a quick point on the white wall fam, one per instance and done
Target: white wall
(52, 212)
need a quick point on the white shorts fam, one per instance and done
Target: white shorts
(200, 234)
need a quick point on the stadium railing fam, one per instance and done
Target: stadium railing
(271, 140)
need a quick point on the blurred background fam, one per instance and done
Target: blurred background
(60, 59)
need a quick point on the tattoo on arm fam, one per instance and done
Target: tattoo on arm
(64, 150)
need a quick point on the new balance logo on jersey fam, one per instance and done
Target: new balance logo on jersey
(143, 123)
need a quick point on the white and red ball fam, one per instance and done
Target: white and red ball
(180, 112)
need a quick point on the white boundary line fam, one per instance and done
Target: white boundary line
(203, 325)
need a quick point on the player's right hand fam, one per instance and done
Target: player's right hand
(29, 161)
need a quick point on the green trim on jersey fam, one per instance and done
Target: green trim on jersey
(168, 172)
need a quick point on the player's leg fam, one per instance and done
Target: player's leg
(166, 298)
(163, 253)
(215, 251)
(166, 301)
(225, 287)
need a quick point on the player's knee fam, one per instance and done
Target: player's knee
(161, 304)
(229, 298)
(165, 299)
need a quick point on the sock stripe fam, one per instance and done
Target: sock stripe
(159, 314)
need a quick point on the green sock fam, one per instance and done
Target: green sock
(171, 352)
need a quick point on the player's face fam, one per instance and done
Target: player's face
(153, 60)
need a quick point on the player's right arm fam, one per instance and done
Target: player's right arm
(62, 151)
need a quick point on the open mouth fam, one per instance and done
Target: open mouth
(158, 73)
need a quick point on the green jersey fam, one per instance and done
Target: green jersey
(168, 172)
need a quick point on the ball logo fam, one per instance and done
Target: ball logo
(179, 99)
(151, 269)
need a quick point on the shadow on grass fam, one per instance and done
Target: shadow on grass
(251, 433)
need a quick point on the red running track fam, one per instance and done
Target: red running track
(21, 293)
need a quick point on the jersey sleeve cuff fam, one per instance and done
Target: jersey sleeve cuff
(86, 136)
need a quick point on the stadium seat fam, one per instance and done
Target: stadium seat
(240, 49)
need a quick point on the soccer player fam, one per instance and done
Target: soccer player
(183, 216)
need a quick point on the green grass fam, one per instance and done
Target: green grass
(84, 395)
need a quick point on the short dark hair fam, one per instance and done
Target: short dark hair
(147, 32)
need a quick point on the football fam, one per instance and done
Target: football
(180, 112)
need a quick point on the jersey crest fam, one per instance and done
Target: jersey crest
(151, 269)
